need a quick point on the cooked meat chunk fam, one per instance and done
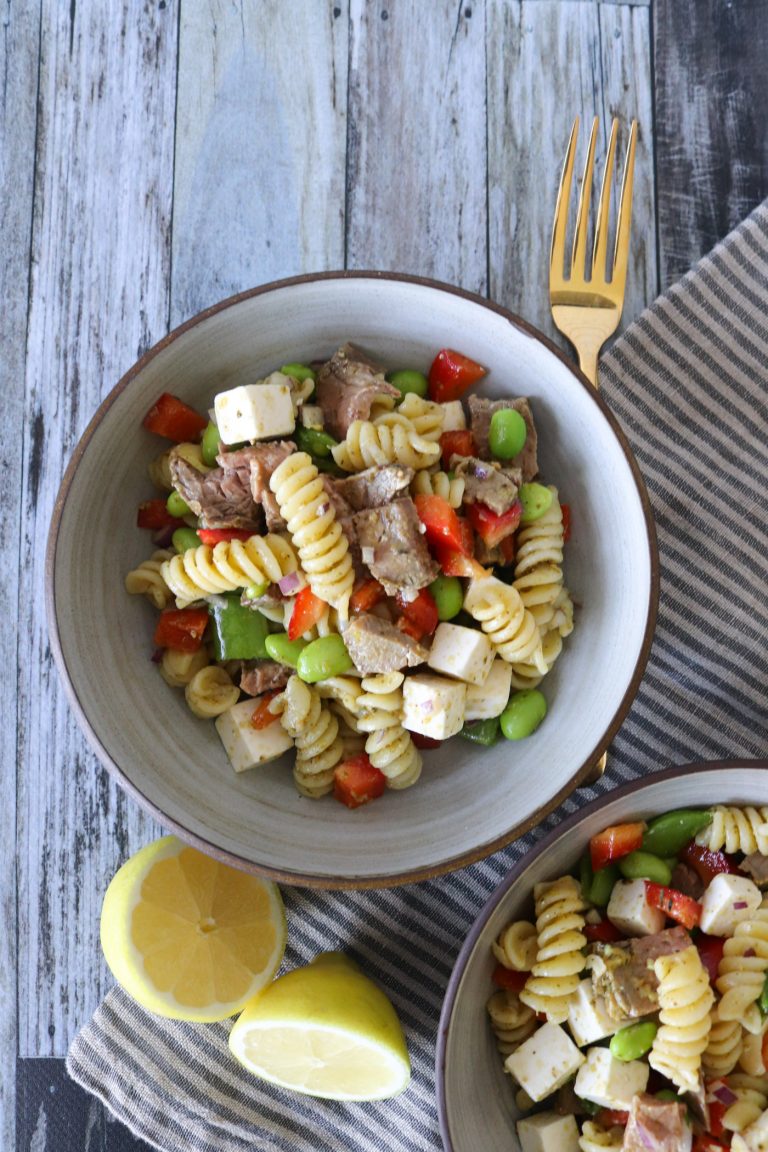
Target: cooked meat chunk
(623, 973)
(657, 1124)
(260, 676)
(756, 866)
(374, 487)
(480, 414)
(485, 484)
(347, 387)
(222, 498)
(375, 645)
(393, 547)
(687, 880)
(256, 463)
(336, 496)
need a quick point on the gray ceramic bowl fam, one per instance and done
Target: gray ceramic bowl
(475, 1096)
(469, 802)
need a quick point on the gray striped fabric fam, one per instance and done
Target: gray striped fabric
(689, 383)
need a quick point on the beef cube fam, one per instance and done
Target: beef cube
(374, 487)
(623, 973)
(480, 414)
(394, 548)
(259, 676)
(687, 880)
(657, 1124)
(257, 462)
(756, 866)
(485, 484)
(347, 387)
(221, 497)
(375, 645)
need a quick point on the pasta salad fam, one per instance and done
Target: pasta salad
(631, 1011)
(355, 564)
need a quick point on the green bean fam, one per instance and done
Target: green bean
(322, 658)
(602, 885)
(315, 442)
(645, 866)
(536, 500)
(185, 538)
(298, 372)
(407, 380)
(448, 596)
(177, 505)
(209, 445)
(523, 714)
(585, 875)
(485, 732)
(507, 433)
(634, 1041)
(668, 834)
(285, 651)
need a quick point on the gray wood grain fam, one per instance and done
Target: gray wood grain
(99, 297)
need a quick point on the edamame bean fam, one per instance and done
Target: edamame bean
(507, 433)
(407, 380)
(602, 885)
(483, 732)
(285, 651)
(185, 538)
(536, 500)
(177, 505)
(448, 596)
(668, 834)
(645, 866)
(254, 591)
(298, 372)
(634, 1041)
(523, 714)
(209, 445)
(322, 658)
(315, 442)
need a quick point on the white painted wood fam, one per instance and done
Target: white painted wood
(260, 146)
(99, 297)
(417, 158)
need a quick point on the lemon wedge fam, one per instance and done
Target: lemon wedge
(188, 937)
(324, 1030)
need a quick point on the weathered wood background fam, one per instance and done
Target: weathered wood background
(155, 157)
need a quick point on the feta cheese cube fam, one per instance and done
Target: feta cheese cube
(629, 910)
(548, 1132)
(454, 419)
(433, 705)
(463, 653)
(588, 1018)
(727, 900)
(545, 1061)
(255, 411)
(248, 747)
(489, 699)
(609, 1082)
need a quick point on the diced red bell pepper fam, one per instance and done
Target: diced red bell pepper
(366, 596)
(459, 442)
(614, 842)
(181, 628)
(710, 950)
(154, 514)
(508, 551)
(508, 978)
(451, 374)
(676, 905)
(421, 613)
(609, 1117)
(307, 610)
(356, 781)
(605, 932)
(443, 527)
(764, 1050)
(172, 418)
(424, 742)
(492, 526)
(703, 1142)
(716, 1110)
(214, 536)
(454, 563)
(566, 511)
(261, 716)
(706, 863)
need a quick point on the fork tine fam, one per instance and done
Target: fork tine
(582, 215)
(600, 254)
(557, 253)
(621, 251)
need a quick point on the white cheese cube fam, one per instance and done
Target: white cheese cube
(255, 411)
(489, 699)
(312, 416)
(246, 746)
(727, 900)
(454, 419)
(588, 1019)
(464, 653)
(609, 1082)
(629, 910)
(433, 705)
(545, 1061)
(548, 1132)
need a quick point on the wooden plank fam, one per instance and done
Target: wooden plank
(711, 112)
(417, 155)
(261, 136)
(99, 297)
(532, 104)
(19, 48)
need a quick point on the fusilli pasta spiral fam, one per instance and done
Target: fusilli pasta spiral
(506, 621)
(751, 1058)
(742, 968)
(426, 483)
(559, 940)
(177, 668)
(538, 571)
(736, 830)
(315, 732)
(211, 692)
(230, 564)
(389, 746)
(595, 1138)
(516, 946)
(390, 439)
(147, 580)
(512, 1022)
(752, 1092)
(686, 1000)
(426, 416)
(527, 674)
(724, 1047)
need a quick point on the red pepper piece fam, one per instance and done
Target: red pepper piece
(181, 628)
(716, 1110)
(420, 613)
(356, 781)
(154, 514)
(214, 536)
(710, 953)
(605, 932)
(493, 527)
(459, 442)
(676, 905)
(307, 610)
(451, 374)
(443, 527)
(424, 742)
(172, 418)
(366, 596)
(608, 1117)
(614, 842)
(454, 563)
(566, 511)
(261, 716)
(703, 1142)
(508, 978)
(706, 863)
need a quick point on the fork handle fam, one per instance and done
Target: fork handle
(588, 361)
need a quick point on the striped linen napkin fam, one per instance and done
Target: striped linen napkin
(689, 384)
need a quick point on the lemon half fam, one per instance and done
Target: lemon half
(188, 937)
(324, 1030)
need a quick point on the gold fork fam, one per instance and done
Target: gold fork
(587, 308)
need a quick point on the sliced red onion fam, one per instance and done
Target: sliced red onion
(163, 536)
(368, 555)
(481, 471)
(290, 584)
(322, 509)
(157, 656)
(739, 904)
(725, 1095)
(646, 1138)
(750, 952)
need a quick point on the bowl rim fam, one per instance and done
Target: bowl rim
(412, 875)
(460, 964)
